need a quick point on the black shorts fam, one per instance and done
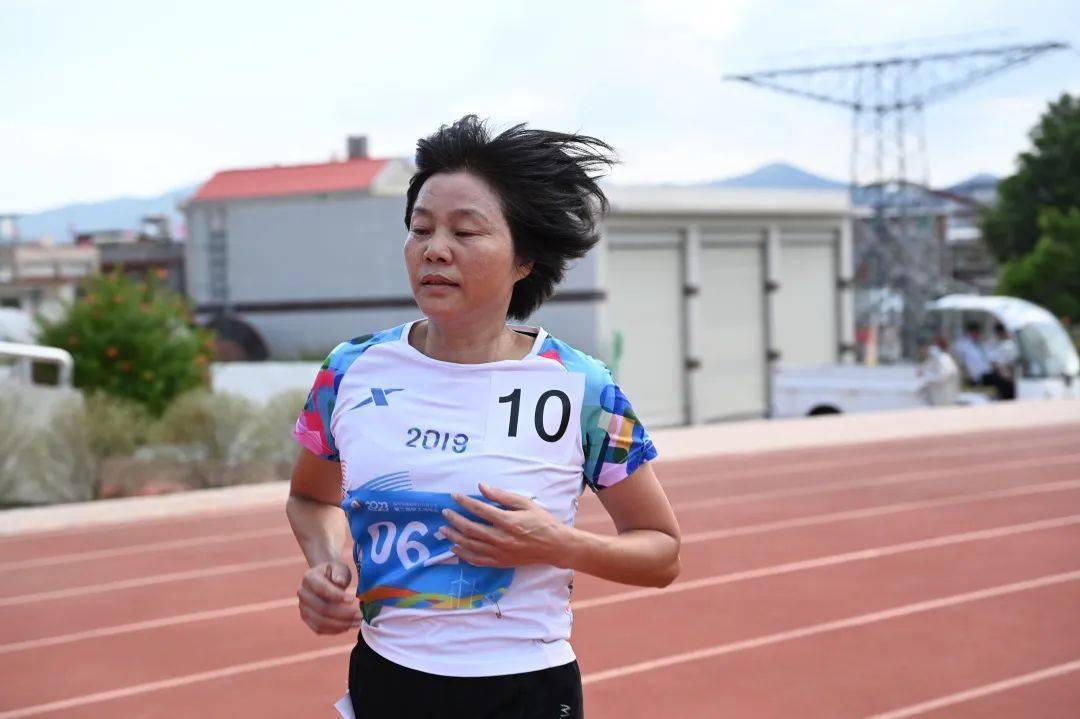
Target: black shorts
(382, 689)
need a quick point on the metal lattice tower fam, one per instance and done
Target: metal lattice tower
(889, 171)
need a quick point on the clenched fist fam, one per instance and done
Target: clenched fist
(326, 604)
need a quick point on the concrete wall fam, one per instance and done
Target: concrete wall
(305, 248)
(343, 248)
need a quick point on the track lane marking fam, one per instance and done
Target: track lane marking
(824, 627)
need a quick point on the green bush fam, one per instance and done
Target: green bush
(116, 426)
(274, 425)
(210, 439)
(217, 422)
(13, 442)
(223, 431)
(44, 464)
(132, 339)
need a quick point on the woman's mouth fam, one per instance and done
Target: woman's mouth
(437, 281)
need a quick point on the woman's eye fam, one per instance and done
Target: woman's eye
(422, 231)
(465, 233)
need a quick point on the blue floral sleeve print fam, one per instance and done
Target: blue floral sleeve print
(613, 439)
(312, 428)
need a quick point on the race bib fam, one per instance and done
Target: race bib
(405, 561)
(531, 414)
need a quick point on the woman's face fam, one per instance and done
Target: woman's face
(457, 230)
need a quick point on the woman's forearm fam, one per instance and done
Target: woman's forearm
(320, 528)
(645, 557)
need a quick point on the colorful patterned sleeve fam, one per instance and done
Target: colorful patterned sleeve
(312, 428)
(614, 440)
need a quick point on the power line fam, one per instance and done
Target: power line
(889, 170)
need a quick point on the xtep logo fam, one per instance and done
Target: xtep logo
(378, 396)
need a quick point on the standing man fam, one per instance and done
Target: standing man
(941, 376)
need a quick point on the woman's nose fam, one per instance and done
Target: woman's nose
(437, 248)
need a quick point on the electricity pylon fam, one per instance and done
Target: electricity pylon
(898, 249)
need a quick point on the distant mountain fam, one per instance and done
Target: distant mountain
(120, 213)
(981, 180)
(780, 175)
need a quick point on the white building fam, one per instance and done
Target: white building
(301, 257)
(704, 286)
(42, 276)
(709, 286)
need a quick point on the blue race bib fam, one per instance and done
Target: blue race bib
(402, 559)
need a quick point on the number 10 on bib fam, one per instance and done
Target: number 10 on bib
(535, 414)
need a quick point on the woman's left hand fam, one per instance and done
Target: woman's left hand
(521, 531)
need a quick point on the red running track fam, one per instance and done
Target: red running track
(934, 578)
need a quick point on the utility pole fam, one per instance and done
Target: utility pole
(897, 252)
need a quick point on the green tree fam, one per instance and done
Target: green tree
(132, 339)
(1048, 175)
(1049, 275)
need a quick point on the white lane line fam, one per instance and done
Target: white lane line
(796, 467)
(709, 536)
(978, 692)
(710, 581)
(147, 624)
(792, 466)
(152, 579)
(586, 517)
(828, 518)
(886, 550)
(828, 487)
(824, 627)
(593, 678)
(228, 671)
(140, 548)
(192, 517)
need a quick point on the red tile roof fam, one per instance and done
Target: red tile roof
(291, 180)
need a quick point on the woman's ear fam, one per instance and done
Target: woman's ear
(523, 270)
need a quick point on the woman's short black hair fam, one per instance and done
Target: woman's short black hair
(546, 182)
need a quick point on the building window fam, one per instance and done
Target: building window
(217, 219)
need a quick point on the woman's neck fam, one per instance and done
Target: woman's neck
(469, 344)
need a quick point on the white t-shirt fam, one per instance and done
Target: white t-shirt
(973, 358)
(410, 429)
(1002, 352)
(942, 377)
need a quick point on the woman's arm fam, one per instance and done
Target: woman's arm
(646, 549)
(319, 525)
(313, 508)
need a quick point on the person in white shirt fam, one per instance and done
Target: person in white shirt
(458, 447)
(971, 354)
(975, 359)
(941, 376)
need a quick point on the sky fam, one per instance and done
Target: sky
(109, 98)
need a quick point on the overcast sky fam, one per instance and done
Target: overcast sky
(107, 98)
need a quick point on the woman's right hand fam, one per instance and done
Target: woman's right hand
(326, 604)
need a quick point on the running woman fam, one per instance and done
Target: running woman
(458, 446)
